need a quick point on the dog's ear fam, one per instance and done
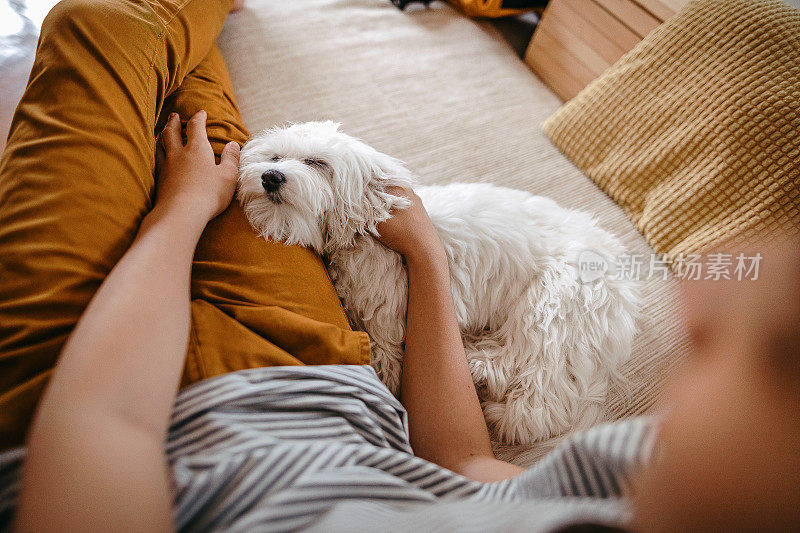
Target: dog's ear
(364, 200)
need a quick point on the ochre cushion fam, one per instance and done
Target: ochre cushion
(696, 131)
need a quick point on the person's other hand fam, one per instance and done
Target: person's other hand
(410, 231)
(189, 179)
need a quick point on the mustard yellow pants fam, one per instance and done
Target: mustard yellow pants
(77, 176)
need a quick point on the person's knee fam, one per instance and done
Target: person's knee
(67, 13)
(91, 19)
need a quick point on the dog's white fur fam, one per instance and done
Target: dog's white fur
(543, 347)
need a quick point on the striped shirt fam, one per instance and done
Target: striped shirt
(326, 448)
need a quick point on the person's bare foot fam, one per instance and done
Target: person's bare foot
(237, 5)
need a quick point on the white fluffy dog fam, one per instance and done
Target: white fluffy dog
(543, 346)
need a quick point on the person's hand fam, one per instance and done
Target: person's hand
(189, 179)
(410, 231)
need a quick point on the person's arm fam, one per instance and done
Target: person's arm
(96, 447)
(446, 423)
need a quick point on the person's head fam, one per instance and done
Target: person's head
(728, 457)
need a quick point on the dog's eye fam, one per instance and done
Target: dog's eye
(315, 163)
(276, 158)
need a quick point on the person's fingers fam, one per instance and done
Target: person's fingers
(397, 190)
(161, 155)
(196, 130)
(229, 159)
(171, 136)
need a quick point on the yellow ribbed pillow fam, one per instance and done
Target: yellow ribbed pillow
(696, 131)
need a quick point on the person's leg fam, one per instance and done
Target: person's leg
(76, 176)
(254, 303)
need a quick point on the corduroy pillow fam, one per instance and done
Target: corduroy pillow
(696, 131)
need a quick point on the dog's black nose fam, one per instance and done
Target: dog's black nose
(272, 180)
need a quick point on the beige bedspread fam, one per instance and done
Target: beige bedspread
(449, 97)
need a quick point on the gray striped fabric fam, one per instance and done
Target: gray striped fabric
(326, 448)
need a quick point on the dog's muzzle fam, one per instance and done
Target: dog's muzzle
(272, 180)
